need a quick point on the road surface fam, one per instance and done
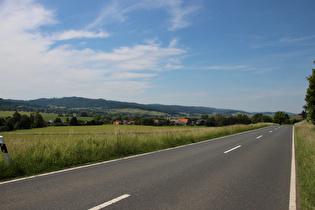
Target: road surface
(250, 170)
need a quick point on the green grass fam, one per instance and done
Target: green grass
(46, 116)
(42, 150)
(305, 158)
(7, 113)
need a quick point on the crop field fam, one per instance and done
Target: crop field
(47, 149)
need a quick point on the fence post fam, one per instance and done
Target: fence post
(4, 150)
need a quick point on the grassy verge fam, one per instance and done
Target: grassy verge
(47, 149)
(305, 157)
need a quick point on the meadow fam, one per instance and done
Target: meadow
(305, 159)
(48, 149)
(46, 116)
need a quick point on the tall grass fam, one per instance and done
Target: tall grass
(305, 157)
(48, 149)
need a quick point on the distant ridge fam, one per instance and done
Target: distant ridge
(79, 102)
(72, 103)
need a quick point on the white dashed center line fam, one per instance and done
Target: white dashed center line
(110, 202)
(234, 148)
(258, 137)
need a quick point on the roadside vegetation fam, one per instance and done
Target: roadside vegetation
(305, 148)
(310, 98)
(305, 158)
(40, 150)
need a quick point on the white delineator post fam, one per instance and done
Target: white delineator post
(4, 150)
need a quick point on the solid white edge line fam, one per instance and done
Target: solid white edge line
(115, 200)
(258, 137)
(292, 201)
(234, 148)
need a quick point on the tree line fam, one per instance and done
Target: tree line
(18, 121)
(310, 98)
(35, 120)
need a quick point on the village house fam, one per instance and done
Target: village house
(180, 121)
(117, 122)
(185, 121)
(201, 122)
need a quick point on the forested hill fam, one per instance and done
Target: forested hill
(78, 102)
(102, 104)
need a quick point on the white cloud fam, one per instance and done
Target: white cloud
(239, 67)
(180, 17)
(140, 57)
(277, 93)
(117, 11)
(73, 34)
(32, 67)
(129, 75)
(110, 13)
(17, 15)
(294, 40)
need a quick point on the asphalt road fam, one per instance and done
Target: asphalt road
(244, 171)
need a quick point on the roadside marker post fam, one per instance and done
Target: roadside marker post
(4, 151)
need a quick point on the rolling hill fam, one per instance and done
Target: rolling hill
(102, 105)
(73, 103)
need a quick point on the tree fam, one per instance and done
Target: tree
(257, 118)
(32, 116)
(219, 119)
(16, 117)
(2, 121)
(280, 117)
(84, 114)
(267, 118)
(210, 122)
(10, 122)
(58, 121)
(25, 122)
(310, 97)
(204, 116)
(147, 121)
(303, 114)
(38, 121)
(73, 121)
(228, 121)
(97, 118)
(243, 119)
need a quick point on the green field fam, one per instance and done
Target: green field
(46, 116)
(305, 159)
(47, 149)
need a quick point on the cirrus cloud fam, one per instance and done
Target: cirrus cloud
(73, 34)
(180, 16)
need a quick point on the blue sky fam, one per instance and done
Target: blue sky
(247, 55)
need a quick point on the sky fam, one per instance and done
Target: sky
(235, 54)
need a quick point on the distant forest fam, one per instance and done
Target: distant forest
(102, 106)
